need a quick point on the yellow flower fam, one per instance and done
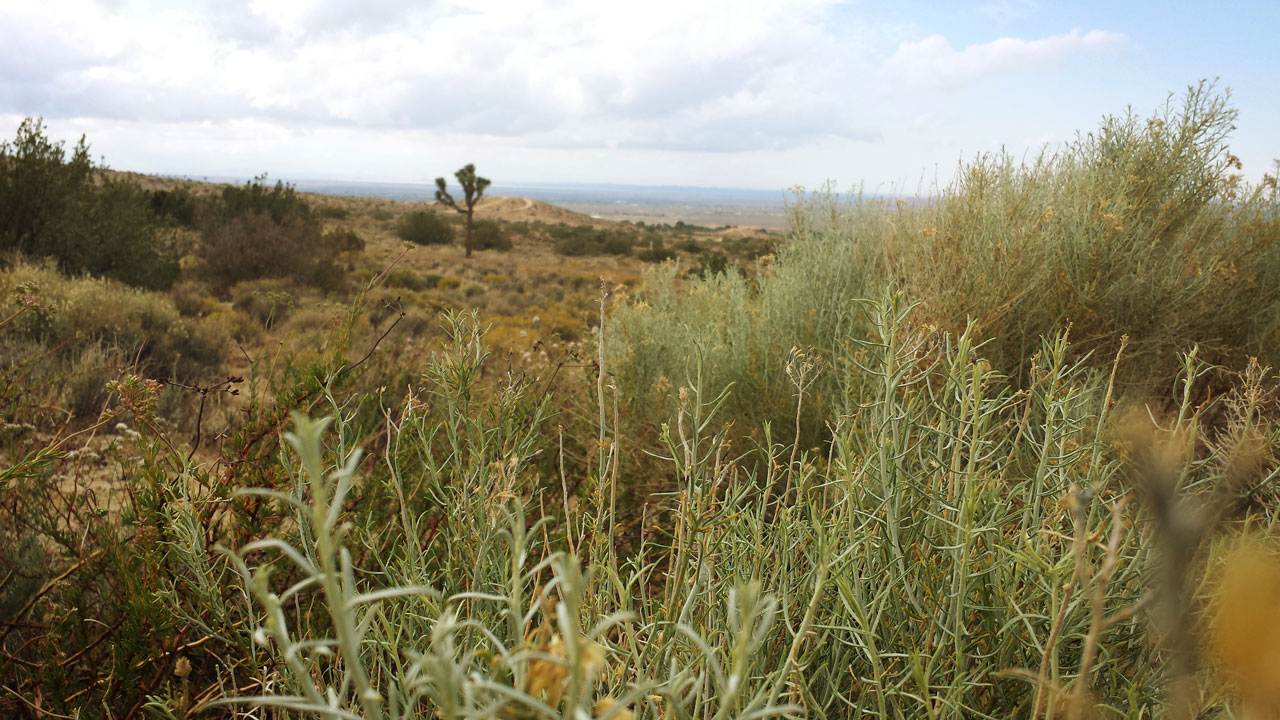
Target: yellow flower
(606, 704)
(1246, 634)
(548, 676)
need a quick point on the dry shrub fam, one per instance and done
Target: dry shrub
(73, 313)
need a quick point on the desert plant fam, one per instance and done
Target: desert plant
(258, 231)
(490, 235)
(473, 187)
(1141, 228)
(65, 208)
(178, 206)
(425, 228)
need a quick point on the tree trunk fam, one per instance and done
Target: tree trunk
(467, 240)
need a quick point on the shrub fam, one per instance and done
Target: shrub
(1141, 228)
(654, 251)
(73, 313)
(178, 206)
(267, 301)
(333, 212)
(344, 240)
(192, 299)
(489, 235)
(576, 240)
(67, 209)
(425, 228)
(255, 231)
(712, 263)
(411, 279)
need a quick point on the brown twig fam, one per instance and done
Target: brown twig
(46, 588)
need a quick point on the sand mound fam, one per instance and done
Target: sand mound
(513, 209)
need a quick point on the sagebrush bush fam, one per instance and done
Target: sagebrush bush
(1141, 228)
(267, 301)
(490, 235)
(731, 332)
(578, 240)
(412, 279)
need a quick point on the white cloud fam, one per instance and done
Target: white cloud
(662, 74)
(932, 61)
(1006, 11)
(735, 92)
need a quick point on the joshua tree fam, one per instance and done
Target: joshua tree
(472, 188)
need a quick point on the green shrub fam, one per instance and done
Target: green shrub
(257, 231)
(178, 207)
(67, 209)
(424, 228)
(66, 339)
(490, 235)
(1141, 228)
(578, 240)
(735, 334)
(267, 301)
(333, 212)
(654, 251)
(411, 279)
(193, 299)
(712, 263)
(344, 240)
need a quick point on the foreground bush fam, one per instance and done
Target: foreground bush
(962, 551)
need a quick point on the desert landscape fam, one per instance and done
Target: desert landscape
(1004, 447)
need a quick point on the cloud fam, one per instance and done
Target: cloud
(932, 61)
(1006, 11)
(719, 75)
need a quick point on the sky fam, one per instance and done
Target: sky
(768, 94)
